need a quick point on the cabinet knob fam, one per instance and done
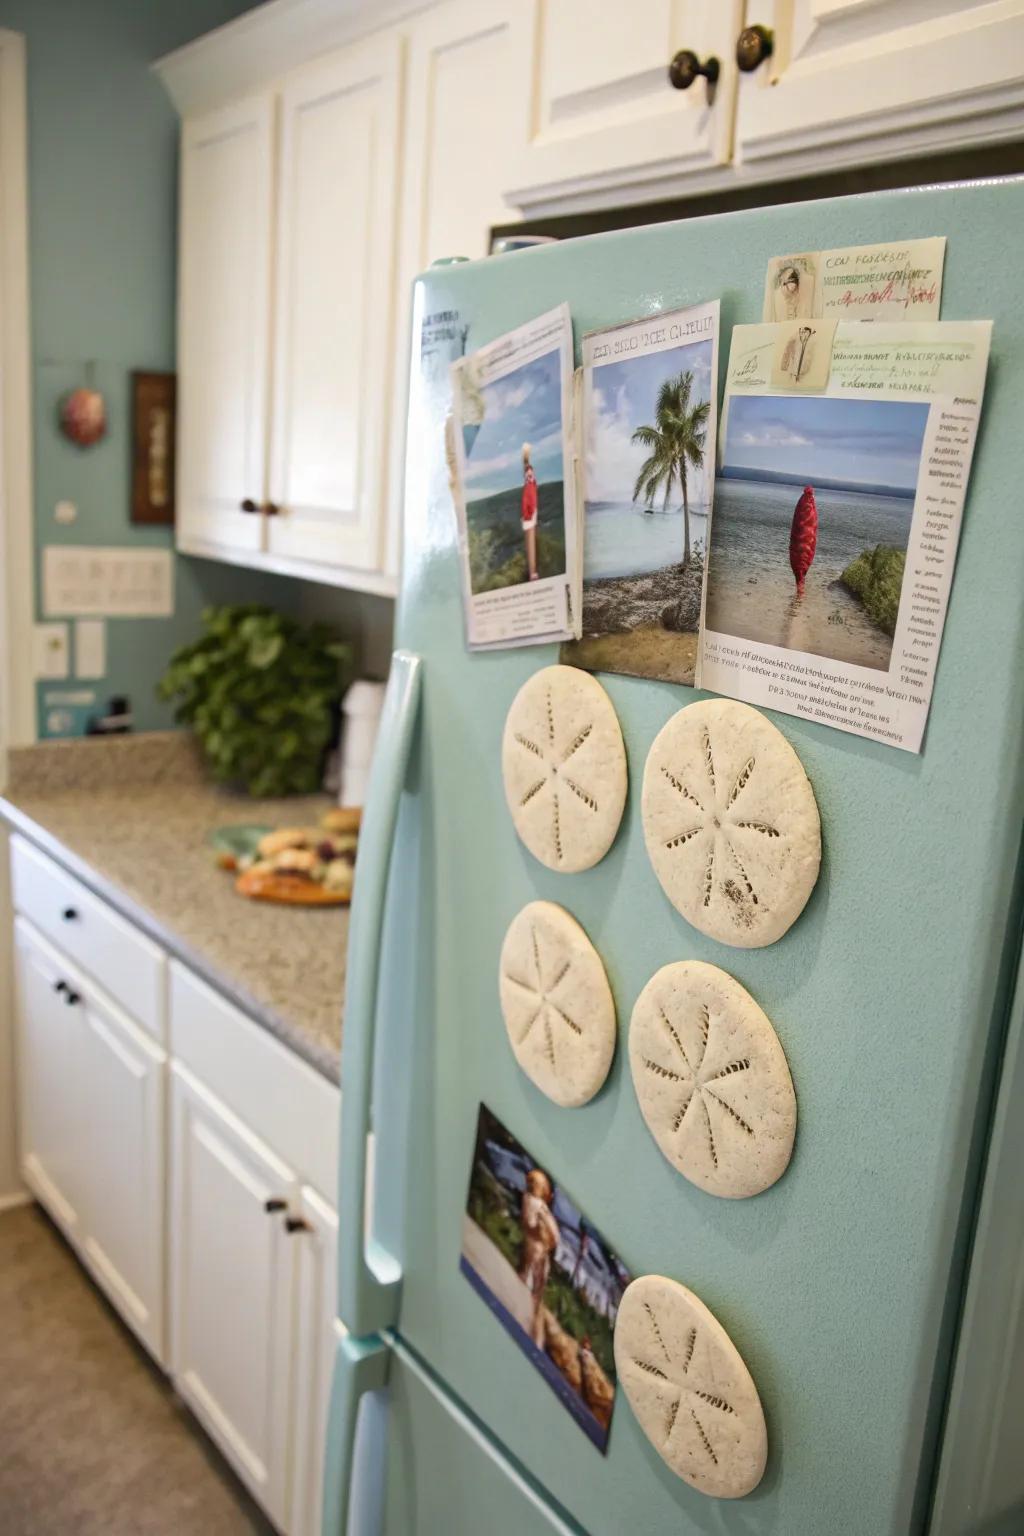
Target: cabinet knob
(272, 1205)
(753, 46)
(296, 1224)
(685, 68)
(248, 505)
(71, 998)
(271, 509)
(60, 986)
(70, 914)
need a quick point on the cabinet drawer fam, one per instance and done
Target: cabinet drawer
(278, 1095)
(127, 965)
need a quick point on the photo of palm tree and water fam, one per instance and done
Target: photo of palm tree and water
(649, 459)
(812, 514)
(518, 426)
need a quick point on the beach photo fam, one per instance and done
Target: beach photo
(513, 475)
(813, 507)
(546, 1274)
(649, 423)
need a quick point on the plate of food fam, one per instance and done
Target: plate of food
(303, 866)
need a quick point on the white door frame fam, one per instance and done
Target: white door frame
(17, 692)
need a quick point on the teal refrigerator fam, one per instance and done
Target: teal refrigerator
(874, 1290)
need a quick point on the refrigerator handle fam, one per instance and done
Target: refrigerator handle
(369, 1278)
(360, 1366)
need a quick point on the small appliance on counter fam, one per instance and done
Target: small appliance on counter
(360, 722)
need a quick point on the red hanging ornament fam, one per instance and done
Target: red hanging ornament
(83, 413)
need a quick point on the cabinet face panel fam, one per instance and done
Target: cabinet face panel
(51, 1055)
(869, 79)
(335, 266)
(232, 1284)
(317, 1331)
(123, 1084)
(604, 113)
(224, 322)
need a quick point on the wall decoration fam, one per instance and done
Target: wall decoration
(82, 413)
(538, 1263)
(558, 1006)
(153, 429)
(712, 1080)
(731, 823)
(564, 767)
(691, 1392)
(107, 582)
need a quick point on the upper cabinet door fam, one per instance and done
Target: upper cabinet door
(605, 123)
(333, 315)
(224, 324)
(853, 81)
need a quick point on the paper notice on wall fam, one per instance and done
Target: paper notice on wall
(901, 280)
(835, 525)
(112, 583)
(513, 481)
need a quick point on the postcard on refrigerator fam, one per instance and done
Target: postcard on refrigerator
(836, 522)
(901, 280)
(546, 1273)
(514, 485)
(648, 420)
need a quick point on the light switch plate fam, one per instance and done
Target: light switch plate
(90, 648)
(50, 651)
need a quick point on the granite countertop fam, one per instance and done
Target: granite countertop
(129, 816)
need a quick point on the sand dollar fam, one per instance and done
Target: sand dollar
(730, 822)
(686, 1382)
(564, 768)
(711, 1079)
(558, 1006)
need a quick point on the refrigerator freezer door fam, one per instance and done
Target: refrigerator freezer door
(841, 1283)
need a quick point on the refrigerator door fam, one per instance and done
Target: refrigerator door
(409, 1460)
(840, 1285)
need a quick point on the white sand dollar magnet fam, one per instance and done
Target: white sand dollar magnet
(731, 823)
(712, 1080)
(558, 1006)
(686, 1382)
(564, 767)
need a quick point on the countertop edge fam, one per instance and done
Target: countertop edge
(324, 1062)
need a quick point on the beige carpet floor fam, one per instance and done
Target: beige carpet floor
(92, 1439)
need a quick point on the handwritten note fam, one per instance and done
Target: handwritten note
(901, 280)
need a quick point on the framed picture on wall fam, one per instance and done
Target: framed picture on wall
(153, 425)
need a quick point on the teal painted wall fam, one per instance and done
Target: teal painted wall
(103, 138)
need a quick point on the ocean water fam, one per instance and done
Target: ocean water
(622, 540)
(751, 587)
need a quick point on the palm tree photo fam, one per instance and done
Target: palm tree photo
(675, 443)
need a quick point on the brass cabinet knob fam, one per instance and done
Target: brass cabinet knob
(271, 509)
(686, 67)
(248, 505)
(753, 46)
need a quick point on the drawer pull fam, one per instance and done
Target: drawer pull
(296, 1224)
(70, 914)
(274, 1204)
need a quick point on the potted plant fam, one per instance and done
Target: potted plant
(261, 692)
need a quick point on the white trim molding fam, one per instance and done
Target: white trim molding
(17, 692)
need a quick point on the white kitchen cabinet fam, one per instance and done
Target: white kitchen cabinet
(232, 1287)
(465, 107)
(50, 1053)
(92, 1128)
(123, 1089)
(604, 124)
(224, 325)
(338, 187)
(855, 81)
(316, 1337)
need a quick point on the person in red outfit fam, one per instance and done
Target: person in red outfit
(529, 513)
